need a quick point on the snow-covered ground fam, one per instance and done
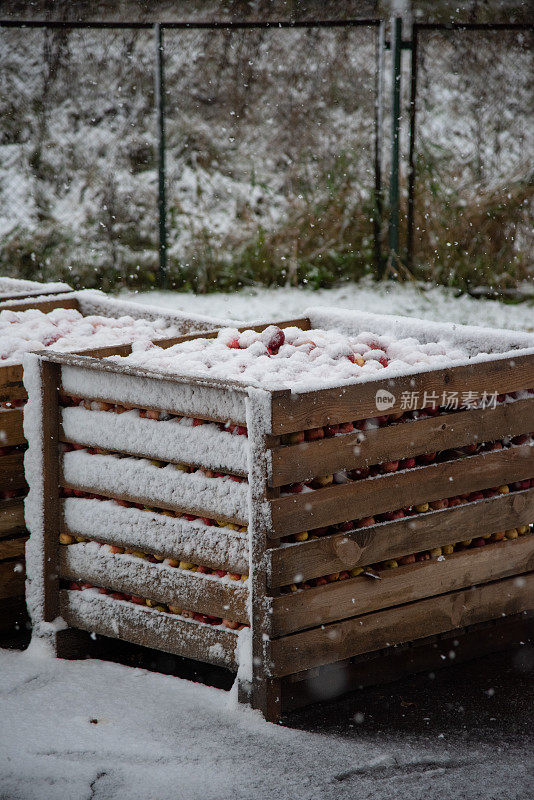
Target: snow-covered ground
(89, 730)
(436, 303)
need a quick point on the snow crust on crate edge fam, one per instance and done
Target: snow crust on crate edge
(93, 301)
(94, 563)
(137, 477)
(34, 502)
(95, 610)
(152, 392)
(474, 338)
(173, 439)
(19, 284)
(191, 539)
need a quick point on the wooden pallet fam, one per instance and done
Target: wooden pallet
(295, 634)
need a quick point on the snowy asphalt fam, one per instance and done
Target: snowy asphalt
(77, 730)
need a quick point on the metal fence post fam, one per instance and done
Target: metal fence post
(378, 209)
(396, 46)
(159, 96)
(410, 222)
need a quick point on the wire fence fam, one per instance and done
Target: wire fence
(217, 155)
(471, 188)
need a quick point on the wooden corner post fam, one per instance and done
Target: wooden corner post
(265, 694)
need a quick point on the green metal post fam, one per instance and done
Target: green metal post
(396, 47)
(159, 94)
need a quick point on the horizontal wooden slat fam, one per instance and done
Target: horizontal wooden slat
(11, 432)
(13, 547)
(157, 582)
(45, 306)
(12, 577)
(12, 471)
(397, 663)
(292, 463)
(108, 617)
(164, 440)
(342, 599)
(295, 412)
(341, 551)
(156, 534)
(11, 516)
(305, 511)
(404, 623)
(152, 502)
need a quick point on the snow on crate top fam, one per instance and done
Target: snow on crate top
(293, 358)
(65, 329)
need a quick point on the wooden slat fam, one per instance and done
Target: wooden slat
(305, 511)
(11, 516)
(108, 617)
(11, 432)
(293, 463)
(12, 577)
(152, 502)
(12, 471)
(47, 569)
(162, 584)
(59, 301)
(404, 623)
(194, 549)
(336, 601)
(12, 548)
(396, 663)
(386, 540)
(295, 412)
(136, 438)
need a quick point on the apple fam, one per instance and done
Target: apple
(503, 489)
(228, 623)
(293, 438)
(407, 559)
(435, 505)
(390, 564)
(498, 536)
(407, 463)
(365, 522)
(313, 434)
(322, 481)
(331, 430)
(421, 508)
(355, 571)
(393, 515)
(426, 458)
(511, 534)
(436, 552)
(294, 488)
(390, 466)
(479, 542)
(346, 427)
(301, 537)
(333, 577)
(65, 538)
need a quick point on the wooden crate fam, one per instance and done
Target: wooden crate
(12, 400)
(16, 289)
(293, 634)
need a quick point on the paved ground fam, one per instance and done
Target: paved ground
(460, 733)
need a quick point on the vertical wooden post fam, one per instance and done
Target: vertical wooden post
(265, 690)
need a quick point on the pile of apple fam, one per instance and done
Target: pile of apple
(66, 329)
(290, 356)
(78, 586)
